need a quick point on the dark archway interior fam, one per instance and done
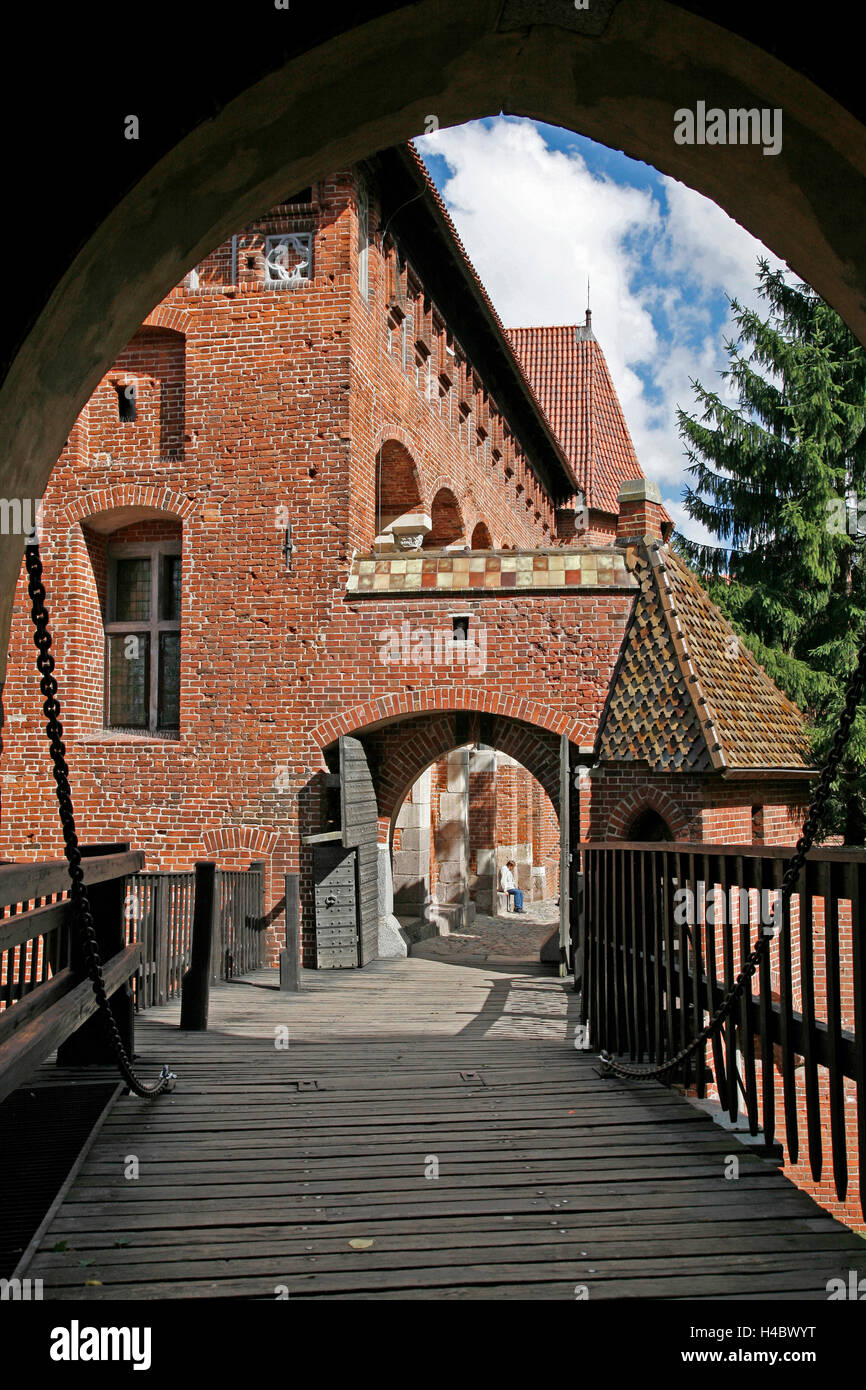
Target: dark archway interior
(649, 825)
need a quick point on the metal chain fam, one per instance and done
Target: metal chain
(853, 698)
(80, 902)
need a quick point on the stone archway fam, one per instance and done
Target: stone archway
(400, 750)
(616, 72)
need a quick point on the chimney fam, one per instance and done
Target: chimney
(641, 514)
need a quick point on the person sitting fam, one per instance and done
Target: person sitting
(508, 885)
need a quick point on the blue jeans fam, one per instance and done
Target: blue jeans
(517, 895)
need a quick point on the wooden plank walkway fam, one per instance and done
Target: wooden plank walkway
(549, 1177)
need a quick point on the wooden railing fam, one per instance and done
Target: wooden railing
(664, 930)
(159, 910)
(46, 997)
(241, 909)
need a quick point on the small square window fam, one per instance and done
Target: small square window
(126, 398)
(288, 260)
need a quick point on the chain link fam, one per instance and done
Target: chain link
(80, 902)
(811, 824)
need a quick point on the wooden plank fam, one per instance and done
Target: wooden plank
(807, 988)
(786, 1012)
(763, 871)
(830, 885)
(564, 848)
(50, 1028)
(26, 926)
(21, 883)
(246, 1182)
(743, 878)
(48, 993)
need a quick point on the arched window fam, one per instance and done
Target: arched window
(142, 636)
(397, 485)
(447, 521)
(130, 602)
(481, 538)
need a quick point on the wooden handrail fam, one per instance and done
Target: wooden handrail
(832, 853)
(20, 883)
(31, 1044)
(50, 1003)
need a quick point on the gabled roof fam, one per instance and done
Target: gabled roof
(416, 217)
(686, 694)
(568, 371)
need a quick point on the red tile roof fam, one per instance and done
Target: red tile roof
(687, 695)
(568, 371)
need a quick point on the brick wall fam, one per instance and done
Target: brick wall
(256, 406)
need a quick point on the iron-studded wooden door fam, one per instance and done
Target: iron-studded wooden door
(336, 903)
(360, 832)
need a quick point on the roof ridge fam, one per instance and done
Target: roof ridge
(590, 410)
(642, 571)
(435, 195)
(693, 685)
(691, 578)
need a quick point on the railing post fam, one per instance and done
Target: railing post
(161, 935)
(195, 987)
(290, 958)
(88, 1045)
(578, 942)
(256, 933)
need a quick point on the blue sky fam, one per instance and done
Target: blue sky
(539, 209)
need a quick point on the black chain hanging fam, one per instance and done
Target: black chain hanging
(853, 698)
(80, 902)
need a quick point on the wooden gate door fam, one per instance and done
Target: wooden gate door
(360, 832)
(336, 902)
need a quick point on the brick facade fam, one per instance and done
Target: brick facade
(331, 403)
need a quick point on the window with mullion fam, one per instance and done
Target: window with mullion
(143, 638)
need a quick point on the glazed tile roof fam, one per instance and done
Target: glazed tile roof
(568, 371)
(687, 694)
(583, 567)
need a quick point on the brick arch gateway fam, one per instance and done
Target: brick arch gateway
(397, 752)
(615, 72)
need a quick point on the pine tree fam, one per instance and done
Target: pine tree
(780, 481)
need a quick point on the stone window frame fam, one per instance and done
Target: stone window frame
(154, 551)
(303, 246)
(363, 213)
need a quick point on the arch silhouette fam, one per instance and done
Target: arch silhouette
(122, 496)
(640, 803)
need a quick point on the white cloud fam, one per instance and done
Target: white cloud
(536, 222)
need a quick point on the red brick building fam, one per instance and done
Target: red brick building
(324, 493)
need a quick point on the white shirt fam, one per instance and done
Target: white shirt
(506, 879)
